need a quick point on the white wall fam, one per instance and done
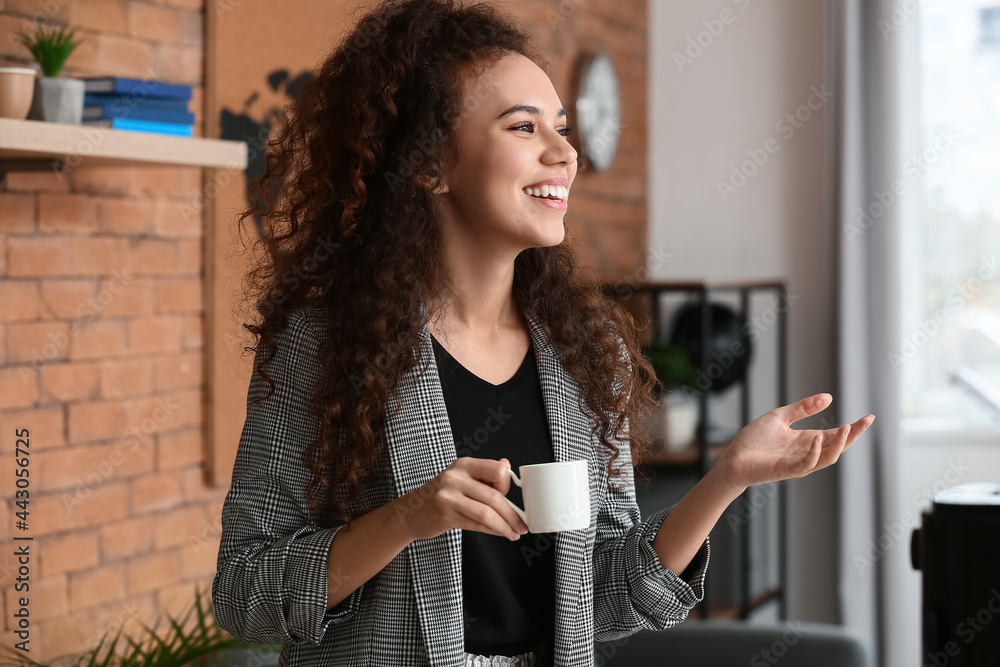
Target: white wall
(704, 116)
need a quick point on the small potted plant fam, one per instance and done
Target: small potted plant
(677, 389)
(56, 100)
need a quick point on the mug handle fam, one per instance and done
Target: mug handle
(520, 512)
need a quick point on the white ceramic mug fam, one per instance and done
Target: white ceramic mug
(556, 496)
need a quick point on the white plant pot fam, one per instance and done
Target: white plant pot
(679, 419)
(57, 100)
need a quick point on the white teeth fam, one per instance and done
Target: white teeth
(550, 191)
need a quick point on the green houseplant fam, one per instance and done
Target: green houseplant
(677, 378)
(673, 368)
(56, 100)
(205, 645)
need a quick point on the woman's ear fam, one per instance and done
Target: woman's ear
(425, 181)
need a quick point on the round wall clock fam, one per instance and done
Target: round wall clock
(598, 110)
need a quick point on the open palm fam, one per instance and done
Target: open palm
(768, 449)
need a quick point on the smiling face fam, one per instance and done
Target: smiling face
(511, 133)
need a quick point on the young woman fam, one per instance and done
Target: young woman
(422, 328)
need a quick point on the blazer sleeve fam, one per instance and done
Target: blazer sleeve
(271, 580)
(632, 589)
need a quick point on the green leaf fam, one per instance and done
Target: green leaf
(174, 648)
(672, 366)
(50, 47)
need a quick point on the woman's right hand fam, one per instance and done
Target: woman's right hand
(469, 494)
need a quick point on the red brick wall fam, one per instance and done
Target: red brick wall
(101, 323)
(101, 357)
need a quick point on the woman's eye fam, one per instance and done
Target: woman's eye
(564, 131)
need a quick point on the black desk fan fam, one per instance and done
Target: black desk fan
(728, 343)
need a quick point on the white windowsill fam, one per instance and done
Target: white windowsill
(934, 431)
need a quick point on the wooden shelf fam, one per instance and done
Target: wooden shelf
(29, 144)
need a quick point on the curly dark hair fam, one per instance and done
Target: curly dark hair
(363, 148)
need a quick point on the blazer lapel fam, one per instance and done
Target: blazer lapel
(570, 432)
(421, 445)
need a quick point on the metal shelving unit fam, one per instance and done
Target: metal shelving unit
(700, 457)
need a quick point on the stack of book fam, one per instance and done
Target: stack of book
(138, 105)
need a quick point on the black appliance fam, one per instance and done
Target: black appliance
(957, 549)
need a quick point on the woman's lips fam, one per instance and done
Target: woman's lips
(551, 203)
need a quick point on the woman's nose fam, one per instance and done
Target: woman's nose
(562, 151)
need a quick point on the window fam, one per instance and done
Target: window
(950, 350)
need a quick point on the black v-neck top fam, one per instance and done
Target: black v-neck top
(509, 587)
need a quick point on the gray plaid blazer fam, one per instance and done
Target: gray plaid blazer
(271, 581)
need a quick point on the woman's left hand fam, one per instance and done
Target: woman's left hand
(768, 449)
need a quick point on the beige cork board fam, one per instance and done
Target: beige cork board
(258, 54)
